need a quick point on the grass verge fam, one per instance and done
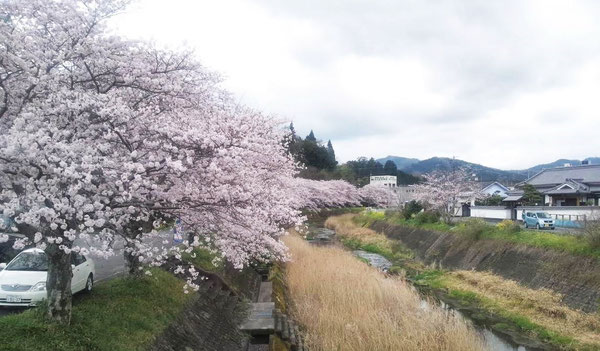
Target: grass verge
(122, 314)
(573, 244)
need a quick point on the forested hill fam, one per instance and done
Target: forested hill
(485, 174)
(320, 162)
(319, 159)
(558, 163)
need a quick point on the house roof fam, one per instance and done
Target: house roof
(498, 184)
(571, 186)
(512, 198)
(557, 176)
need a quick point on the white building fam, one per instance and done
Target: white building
(384, 180)
(406, 193)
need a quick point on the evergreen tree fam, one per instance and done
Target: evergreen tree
(331, 153)
(390, 168)
(311, 137)
(295, 144)
(531, 196)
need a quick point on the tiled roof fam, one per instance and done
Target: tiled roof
(492, 183)
(584, 174)
(512, 198)
(571, 186)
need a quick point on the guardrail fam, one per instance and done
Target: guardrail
(570, 221)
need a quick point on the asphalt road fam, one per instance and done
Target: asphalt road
(106, 269)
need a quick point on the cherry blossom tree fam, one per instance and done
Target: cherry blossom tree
(379, 196)
(445, 191)
(101, 137)
(313, 195)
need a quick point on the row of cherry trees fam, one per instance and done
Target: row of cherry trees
(101, 138)
(316, 194)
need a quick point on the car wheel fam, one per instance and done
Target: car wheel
(89, 284)
(526, 226)
(537, 226)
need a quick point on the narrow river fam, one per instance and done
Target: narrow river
(494, 341)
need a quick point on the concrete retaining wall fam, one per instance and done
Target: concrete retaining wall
(576, 277)
(211, 322)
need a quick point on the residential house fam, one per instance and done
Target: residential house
(494, 188)
(568, 186)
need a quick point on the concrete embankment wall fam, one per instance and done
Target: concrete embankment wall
(211, 322)
(576, 277)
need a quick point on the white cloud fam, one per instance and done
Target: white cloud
(508, 84)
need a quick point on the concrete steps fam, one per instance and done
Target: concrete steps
(265, 320)
(261, 320)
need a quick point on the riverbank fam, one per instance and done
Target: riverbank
(344, 304)
(151, 312)
(122, 314)
(503, 304)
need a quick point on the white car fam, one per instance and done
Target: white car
(23, 280)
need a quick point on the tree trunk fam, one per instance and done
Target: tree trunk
(132, 261)
(58, 285)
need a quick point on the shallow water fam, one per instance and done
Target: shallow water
(374, 259)
(321, 236)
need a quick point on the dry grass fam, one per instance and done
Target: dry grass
(347, 305)
(347, 229)
(542, 306)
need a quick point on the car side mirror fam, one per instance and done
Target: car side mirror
(2, 266)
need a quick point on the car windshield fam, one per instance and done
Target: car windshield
(29, 261)
(543, 215)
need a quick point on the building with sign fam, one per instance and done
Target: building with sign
(384, 180)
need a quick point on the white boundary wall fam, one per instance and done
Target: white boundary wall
(576, 212)
(491, 212)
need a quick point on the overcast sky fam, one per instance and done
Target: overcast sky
(507, 84)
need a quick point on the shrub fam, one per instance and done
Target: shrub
(427, 217)
(393, 213)
(473, 228)
(410, 209)
(509, 226)
(592, 234)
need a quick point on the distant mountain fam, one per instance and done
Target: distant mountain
(401, 162)
(559, 163)
(485, 174)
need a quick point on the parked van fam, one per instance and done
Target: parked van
(537, 220)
